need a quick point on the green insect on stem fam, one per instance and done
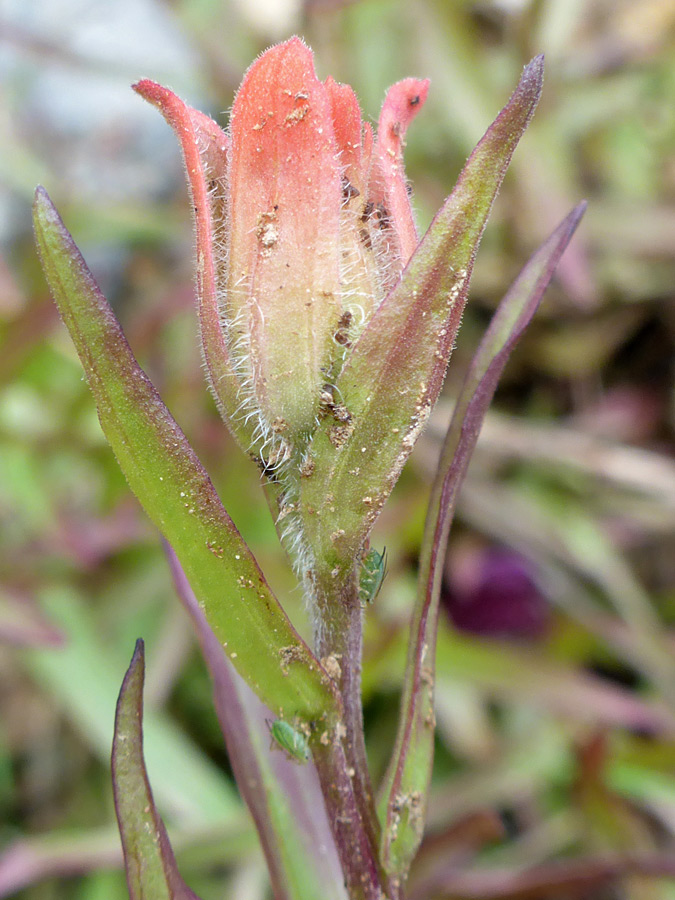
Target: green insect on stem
(290, 740)
(373, 570)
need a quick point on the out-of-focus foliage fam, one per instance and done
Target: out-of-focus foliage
(556, 723)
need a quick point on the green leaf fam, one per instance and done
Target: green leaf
(395, 371)
(284, 798)
(167, 477)
(406, 783)
(148, 857)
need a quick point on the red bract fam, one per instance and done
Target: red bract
(326, 323)
(302, 224)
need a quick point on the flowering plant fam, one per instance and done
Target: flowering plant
(326, 325)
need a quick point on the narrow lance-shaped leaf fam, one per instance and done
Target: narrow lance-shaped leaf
(405, 785)
(284, 798)
(396, 368)
(148, 857)
(165, 474)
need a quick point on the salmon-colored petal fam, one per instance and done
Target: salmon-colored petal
(388, 188)
(283, 295)
(346, 114)
(205, 149)
(359, 278)
(367, 149)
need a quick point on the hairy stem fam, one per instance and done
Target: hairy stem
(339, 644)
(364, 877)
(341, 639)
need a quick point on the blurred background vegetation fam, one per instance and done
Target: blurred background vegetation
(555, 767)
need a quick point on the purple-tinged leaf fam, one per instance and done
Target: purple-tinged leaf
(148, 857)
(23, 624)
(284, 798)
(405, 785)
(74, 852)
(31, 859)
(298, 815)
(167, 477)
(394, 373)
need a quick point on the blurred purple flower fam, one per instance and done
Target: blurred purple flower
(492, 591)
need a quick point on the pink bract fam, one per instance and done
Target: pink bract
(303, 224)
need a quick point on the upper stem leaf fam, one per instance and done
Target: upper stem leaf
(395, 371)
(284, 798)
(406, 783)
(167, 477)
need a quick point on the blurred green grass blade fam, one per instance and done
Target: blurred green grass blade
(407, 780)
(396, 368)
(594, 554)
(527, 677)
(83, 678)
(568, 542)
(148, 857)
(175, 490)
(640, 782)
(520, 769)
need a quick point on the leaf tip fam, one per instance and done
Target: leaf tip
(136, 669)
(46, 219)
(532, 79)
(42, 204)
(139, 652)
(571, 221)
(580, 209)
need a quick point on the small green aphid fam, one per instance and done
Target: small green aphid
(373, 570)
(292, 742)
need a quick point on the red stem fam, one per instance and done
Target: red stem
(345, 778)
